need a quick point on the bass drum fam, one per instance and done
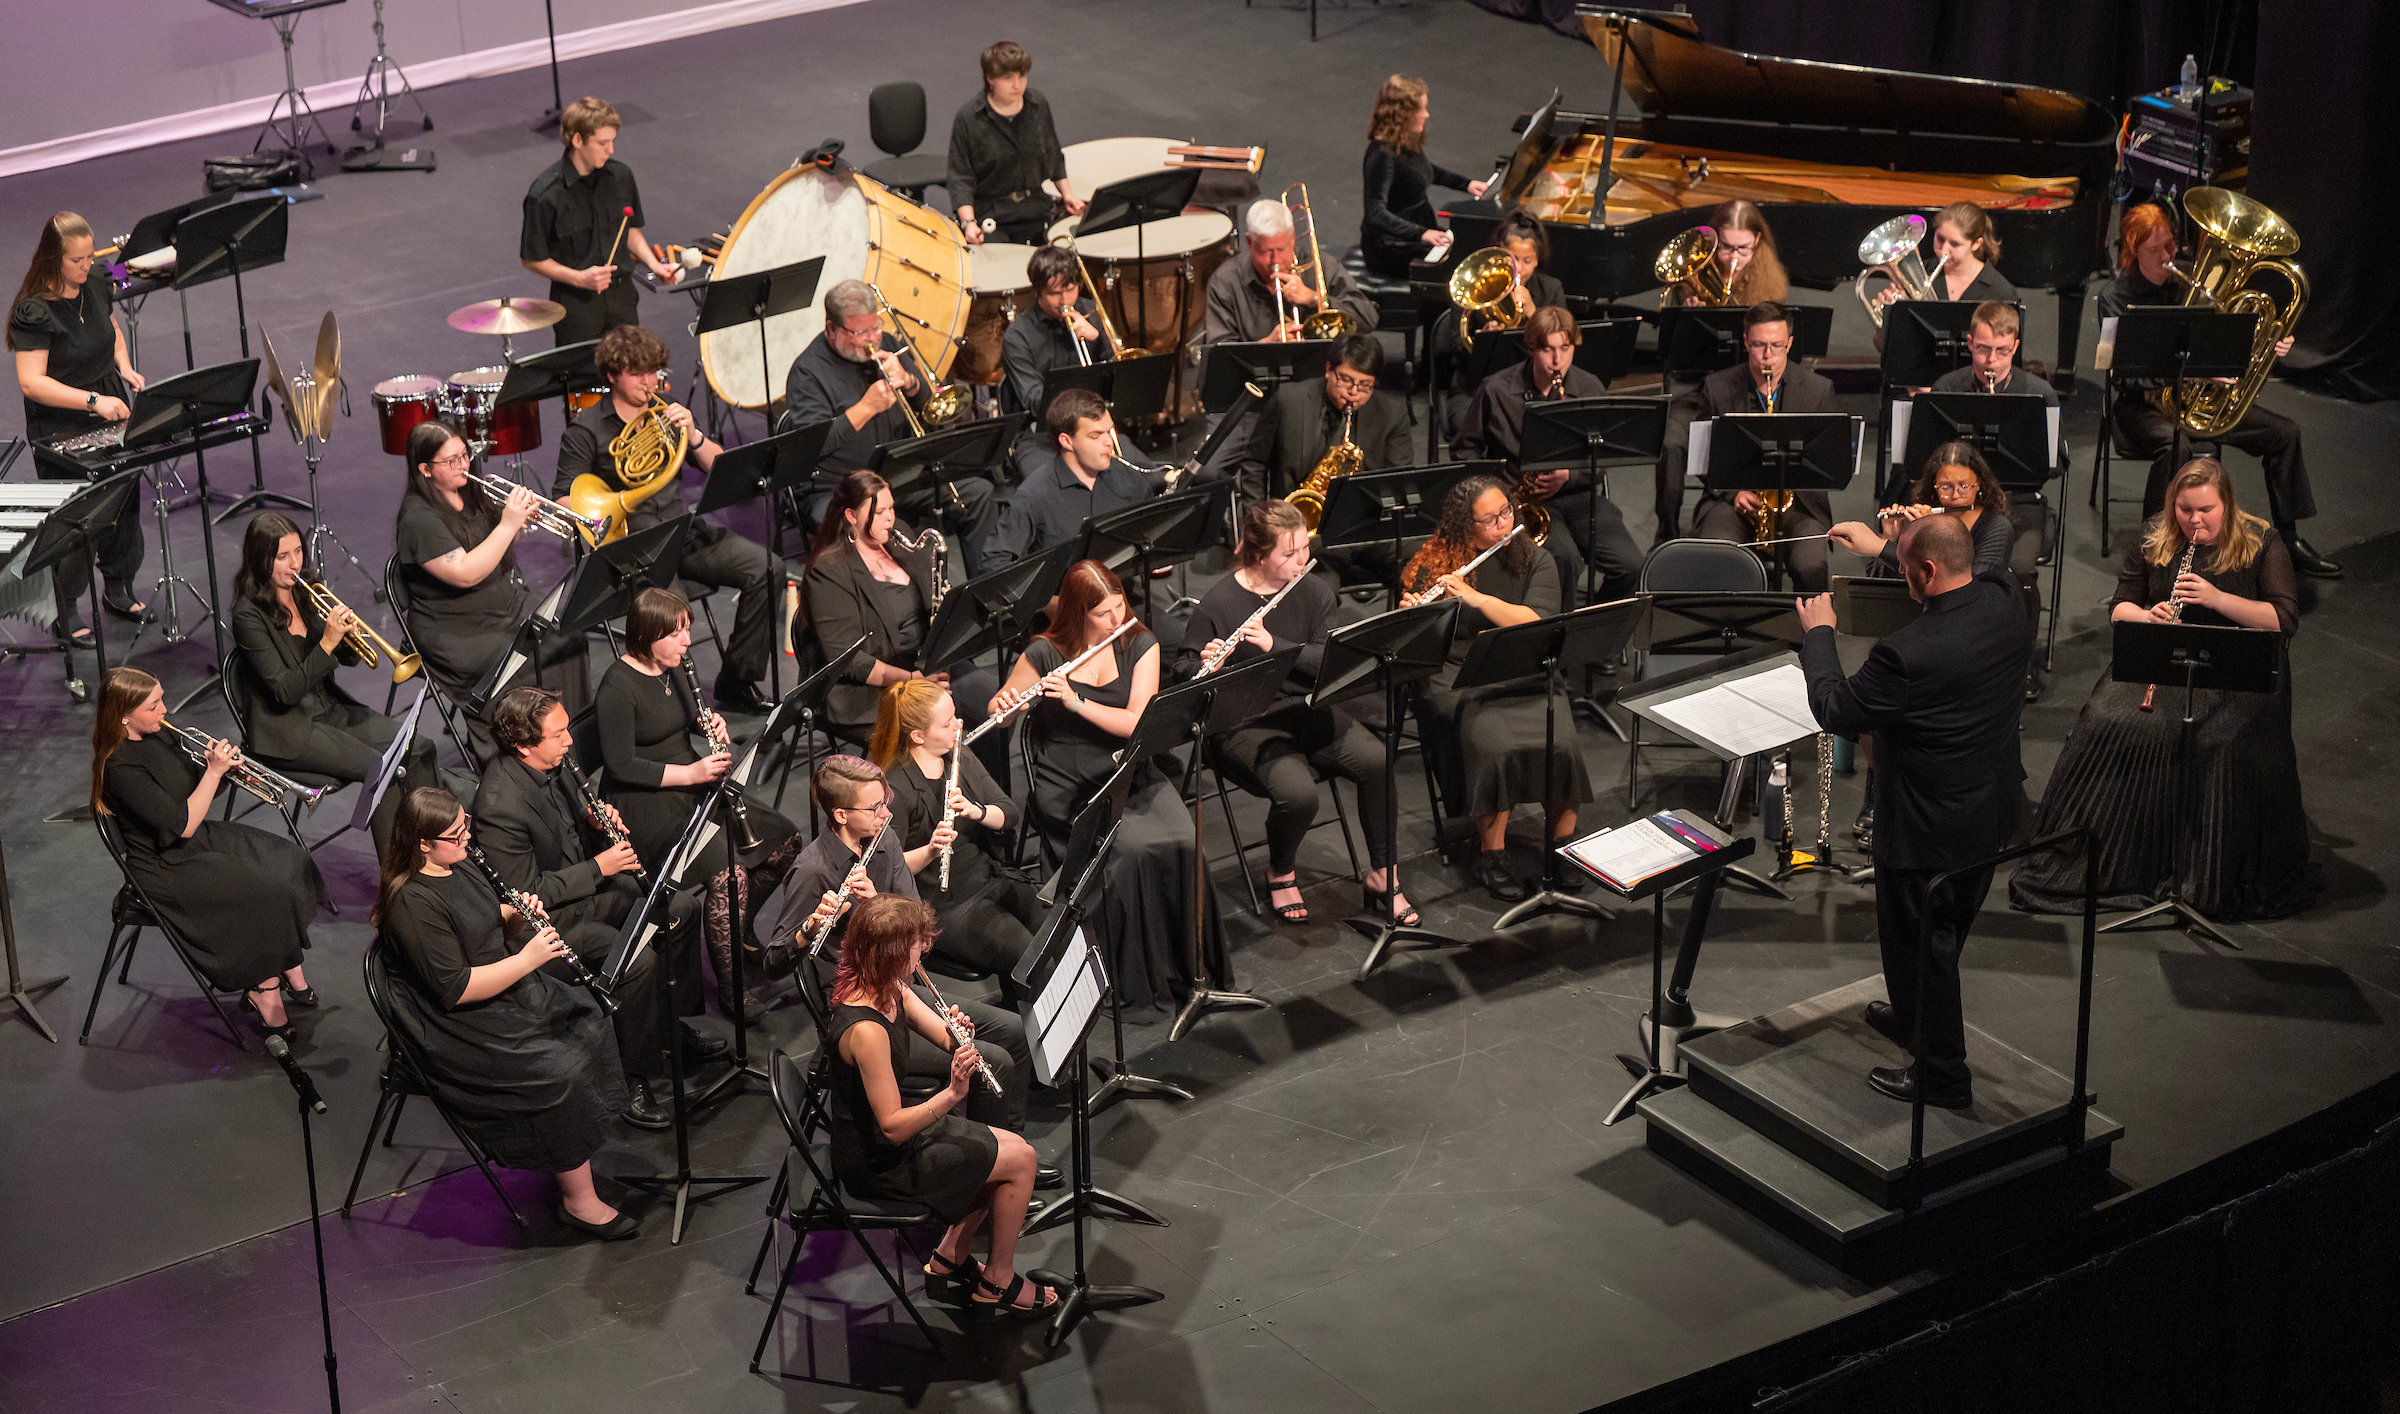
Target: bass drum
(864, 231)
(1156, 289)
(1002, 292)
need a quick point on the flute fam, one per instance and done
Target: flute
(958, 1034)
(1215, 657)
(817, 943)
(1019, 702)
(533, 910)
(1436, 590)
(2174, 602)
(950, 814)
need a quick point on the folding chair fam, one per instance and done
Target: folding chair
(403, 1075)
(128, 914)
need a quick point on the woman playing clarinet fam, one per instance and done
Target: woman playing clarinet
(945, 826)
(2241, 851)
(1488, 740)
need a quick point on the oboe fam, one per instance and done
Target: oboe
(2174, 603)
(598, 814)
(746, 838)
(958, 1033)
(817, 941)
(950, 814)
(531, 907)
(1436, 590)
(1018, 703)
(1215, 657)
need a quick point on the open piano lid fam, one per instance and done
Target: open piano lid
(1694, 93)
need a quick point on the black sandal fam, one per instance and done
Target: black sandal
(1288, 912)
(1381, 901)
(954, 1286)
(1005, 1302)
(298, 996)
(286, 1030)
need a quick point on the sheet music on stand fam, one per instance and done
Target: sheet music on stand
(1063, 1008)
(1639, 849)
(1695, 466)
(1900, 418)
(1760, 711)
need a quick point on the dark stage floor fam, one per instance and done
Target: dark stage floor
(1395, 1196)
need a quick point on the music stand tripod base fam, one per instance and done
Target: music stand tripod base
(2180, 914)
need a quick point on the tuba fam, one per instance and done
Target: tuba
(2238, 238)
(1485, 283)
(1341, 459)
(1692, 258)
(648, 453)
(1892, 249)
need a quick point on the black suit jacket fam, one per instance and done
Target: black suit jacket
(1942, 697)
(1291, 437)
(1729, 390)
(841, 607)
(283, 670)
(527, 826)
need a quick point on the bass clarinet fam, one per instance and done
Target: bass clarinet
(1436, 590)
(539, 916)
(745, 838)
(817, 941)
(1021, 700)
(1215, 657)
(598, 814)
(2174, 603)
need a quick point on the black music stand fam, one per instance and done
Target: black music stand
(1268, 366)
(1695, 340)
(1136, 202)
(1135, 389)
(769, 467)
(552, 373)
(1390, 508)
(1062, 978)
(1156, 534)
(231, 239)
(1870, 606)
(1766, 652)
(66, 533)
(1389, 652)
(1607, 347)
(1188, 714)
(1586, 433)
(607, 579)
(2172, 342)
(1550, 648)
(2011, 429)
(1921, 340)
(185, 402)
(997, 610)
(734, 300)
(945, 456)
(2192, 656)
(21, 991)
(1785, 452)
(723, 806)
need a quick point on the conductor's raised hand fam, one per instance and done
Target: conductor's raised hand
(1816, 611)
(1854, 536)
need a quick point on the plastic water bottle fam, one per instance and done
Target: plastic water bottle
(2187, 87)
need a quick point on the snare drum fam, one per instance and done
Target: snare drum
(400, 404)
(1002, 291)
(1155, 289)
(509, 431)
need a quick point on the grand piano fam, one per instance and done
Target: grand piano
(1828, 151)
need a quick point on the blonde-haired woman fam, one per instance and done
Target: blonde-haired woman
(987, 910)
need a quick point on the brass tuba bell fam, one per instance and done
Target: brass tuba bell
(2238, 238)
(1485, 283)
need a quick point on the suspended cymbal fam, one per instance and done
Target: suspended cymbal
(507, 315)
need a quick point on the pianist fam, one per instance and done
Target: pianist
(76, 374)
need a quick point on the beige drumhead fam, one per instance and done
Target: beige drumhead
(1000, 267)
(918, 259)
(1193, 230)
(1093, 165)
(804, 212)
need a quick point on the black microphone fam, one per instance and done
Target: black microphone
(281, 1050)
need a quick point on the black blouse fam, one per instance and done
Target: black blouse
(917, 809)
(1399, 212)
(148, 786)
(2268, 578)
(81, 339)
(446, 927)
(646, 724)
(1304, 617)
(1988, 284)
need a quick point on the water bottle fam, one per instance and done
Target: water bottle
(2187, 87)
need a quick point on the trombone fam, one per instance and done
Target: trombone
(1116, 346)
(363, 640)
(1327, 322)
(944, 402)
(269, 787)
(548, 515)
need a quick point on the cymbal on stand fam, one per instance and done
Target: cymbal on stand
(507, 315)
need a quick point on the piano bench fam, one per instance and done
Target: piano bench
(1396, 309)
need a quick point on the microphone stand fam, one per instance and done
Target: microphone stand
(304, 1088)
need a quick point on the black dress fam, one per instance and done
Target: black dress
(987, 913)
(241, 898)
(1491, 737)
(945, 1165)
(1144, 903)
(530, 1073)
(647, 724)
(2242, 851)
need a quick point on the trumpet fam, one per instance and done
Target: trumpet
(1892, 249)
(270, 788)
(548, 515)
(1438, 590)
(943, 405)
(363, 640)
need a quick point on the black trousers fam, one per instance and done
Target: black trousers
(1922, 935)
(2271, 437)
(990, 930)
(118, 546)
(729, 561)
(590, 927)
(1803, 560)
(1610, 549)
(1272, 760)
(348, 745)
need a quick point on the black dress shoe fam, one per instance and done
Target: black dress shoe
(122, 607)
(1901, 1085)
(740, 697)
(1048, 1176)
(2306, 560)
(1498, 880)
(699, 1048)
(1571, 880)
(298, 996)
(649, 1109)
(616, 1231)
(1887, 1023)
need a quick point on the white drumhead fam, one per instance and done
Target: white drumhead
(408, 385)
(477, 378)
(804, 212)
(1000, 267)
(1093, 165)
(1172, 236)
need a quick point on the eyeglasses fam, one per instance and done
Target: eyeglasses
(1985, 350)
(1350, 383)
(1763, 346)
(881, 807)
(461, 459)
(1497, 518)
(457, 834)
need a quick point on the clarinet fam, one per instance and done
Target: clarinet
(958, 1033)
(816, 944)
(1022, 699)
(745, 838)
(950, 814)
(2175, 602)
(1211, 661)
(531, 907)
(601, 820)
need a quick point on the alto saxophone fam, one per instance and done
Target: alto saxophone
(1341, 459)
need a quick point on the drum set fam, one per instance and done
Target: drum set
(468, 401)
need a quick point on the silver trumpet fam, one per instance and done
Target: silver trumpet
(548, 515)
(269, 787)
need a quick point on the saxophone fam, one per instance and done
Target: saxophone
(1343, 458)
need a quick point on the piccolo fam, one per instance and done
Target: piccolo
(1215, 657)
(958, 1033)
(1437, 590)
(539, 916)
(1019, 702)
(816, 942)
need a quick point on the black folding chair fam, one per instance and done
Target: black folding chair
(1242, 848)
(1687, 566)
(403, 1075)
(235, 686)
(128, 914)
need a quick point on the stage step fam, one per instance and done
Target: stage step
(1799, 1078)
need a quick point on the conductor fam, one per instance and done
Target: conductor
(1942, 697)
